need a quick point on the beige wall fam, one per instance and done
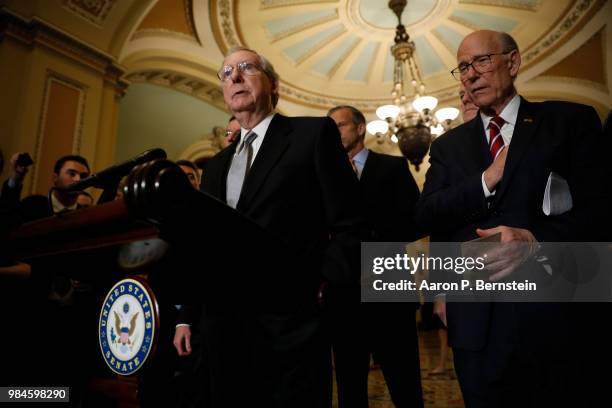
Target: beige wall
(61, 98)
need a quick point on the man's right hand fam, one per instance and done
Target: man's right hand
(18, 173)
(493, 175)
(182, 340)
(440, 309)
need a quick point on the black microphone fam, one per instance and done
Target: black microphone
(112, 174)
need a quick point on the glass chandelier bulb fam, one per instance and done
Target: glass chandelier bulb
(436, 130)
(425, 102)
(444, 114)
(377, 126)
(387, 111)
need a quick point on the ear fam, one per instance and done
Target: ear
(514, 62)
(361, 129)
(275, 85)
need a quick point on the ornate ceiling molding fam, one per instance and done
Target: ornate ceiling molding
(37, 32)
(513, 4)
(571, 21)
(180, 82)
(94, 11)
(163, 32)
(320, 101)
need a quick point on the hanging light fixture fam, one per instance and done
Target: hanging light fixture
(409, 122)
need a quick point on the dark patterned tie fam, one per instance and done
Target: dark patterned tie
(239, 168)
(496, 141)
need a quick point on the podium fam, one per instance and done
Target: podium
(162, 238)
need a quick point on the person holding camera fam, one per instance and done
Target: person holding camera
(11, 188)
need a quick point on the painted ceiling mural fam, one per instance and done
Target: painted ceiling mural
(330, 52)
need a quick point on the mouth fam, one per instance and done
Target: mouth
(478, 89)
(239, 92)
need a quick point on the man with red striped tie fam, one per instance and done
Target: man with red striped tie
(488, 176)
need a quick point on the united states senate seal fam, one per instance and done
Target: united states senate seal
(128, 326)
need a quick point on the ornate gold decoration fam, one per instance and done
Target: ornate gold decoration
(94, 11)
(570, 21)
(267, 4)
(36, 32)
(196, 87)
(515, 4)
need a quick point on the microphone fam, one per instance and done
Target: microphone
(112, 174)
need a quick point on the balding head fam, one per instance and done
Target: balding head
(495, 61)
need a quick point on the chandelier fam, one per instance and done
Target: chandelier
(409, 122)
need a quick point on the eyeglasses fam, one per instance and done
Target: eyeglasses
(244, 68)
(481, 64)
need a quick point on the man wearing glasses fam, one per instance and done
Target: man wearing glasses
(292, 178)
(488, 176)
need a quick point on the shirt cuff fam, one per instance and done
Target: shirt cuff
(486, 191)
(182, 324)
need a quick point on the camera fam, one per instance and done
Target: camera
(24, 160)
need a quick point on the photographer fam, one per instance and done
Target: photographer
(11, 188)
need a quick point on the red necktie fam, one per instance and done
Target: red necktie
(496, 141)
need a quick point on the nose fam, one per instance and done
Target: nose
(235, 75)
(471, 74)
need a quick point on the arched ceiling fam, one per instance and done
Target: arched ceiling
(326, 48)
(330, 52)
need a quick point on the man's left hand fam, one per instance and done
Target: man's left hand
(518, 244)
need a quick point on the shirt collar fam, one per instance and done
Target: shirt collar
(261, 128)
(361, 157)
(59, 207)
(508, 114)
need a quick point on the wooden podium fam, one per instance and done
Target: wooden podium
(104, 244)
(214, 254)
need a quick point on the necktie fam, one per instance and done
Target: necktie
(354, 166)
(239, 168)
(496, 141)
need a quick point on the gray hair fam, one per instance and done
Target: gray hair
(266, 67)
(507, 42)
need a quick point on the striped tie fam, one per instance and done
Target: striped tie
(496, 141)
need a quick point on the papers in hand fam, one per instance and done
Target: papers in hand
(557, 196)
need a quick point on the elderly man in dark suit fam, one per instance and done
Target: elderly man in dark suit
(488, 176)
(290, 176)
(386, 330)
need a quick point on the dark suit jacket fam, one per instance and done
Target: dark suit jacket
(301, 189)
(549, 136)
(389, 194)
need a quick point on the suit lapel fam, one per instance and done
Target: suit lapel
(214, 178)
(527, 122)
(274, 144)
(369, 167)
(476, 150)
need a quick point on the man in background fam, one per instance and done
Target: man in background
(386, 330)
(232, 132)
(66, 171)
